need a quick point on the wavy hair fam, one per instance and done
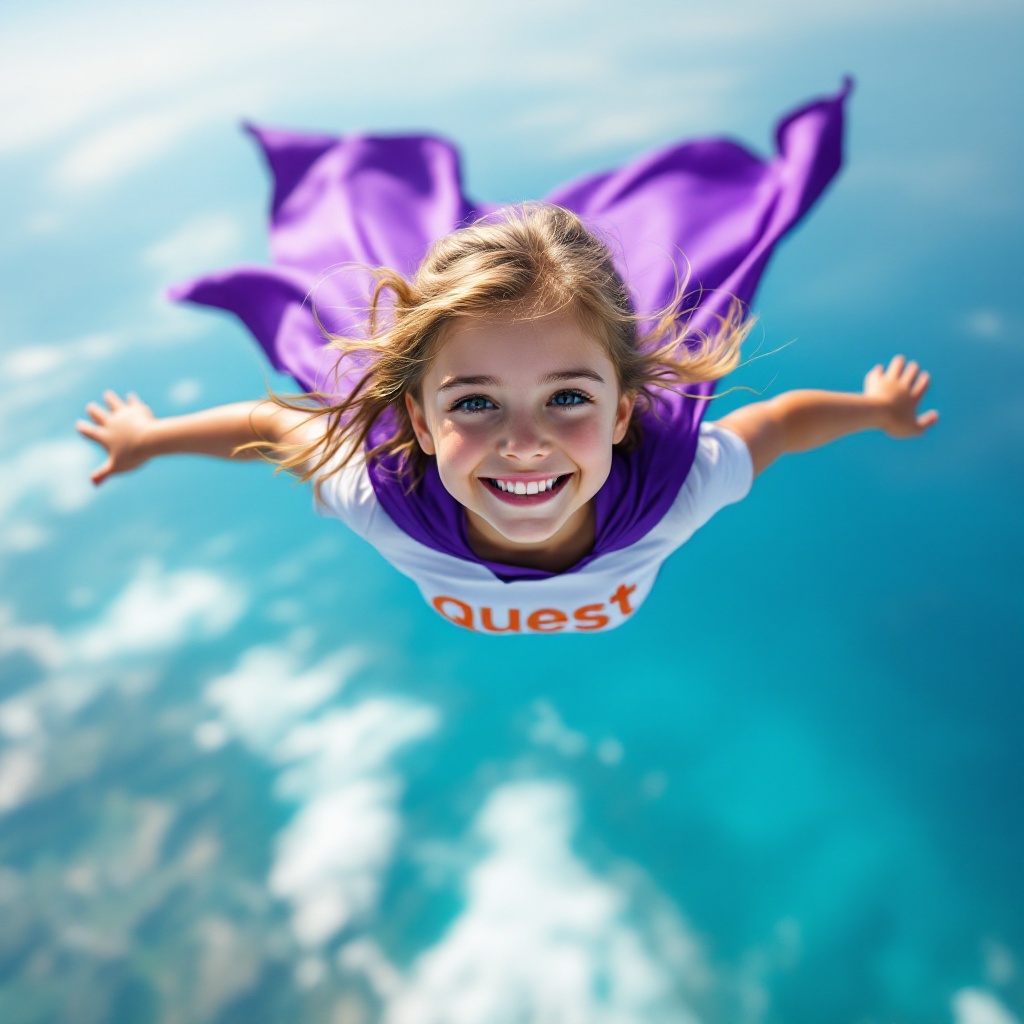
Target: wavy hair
(525, 261)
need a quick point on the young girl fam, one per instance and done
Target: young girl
(512, 425)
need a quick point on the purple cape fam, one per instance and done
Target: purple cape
(709, 207)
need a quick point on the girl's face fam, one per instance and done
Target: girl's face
(522, 416)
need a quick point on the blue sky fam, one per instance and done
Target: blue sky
(199, 612)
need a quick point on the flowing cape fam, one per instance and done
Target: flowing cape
(709, 209)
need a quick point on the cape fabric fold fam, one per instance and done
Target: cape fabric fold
(708, 211)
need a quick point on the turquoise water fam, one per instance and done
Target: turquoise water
(246, 775)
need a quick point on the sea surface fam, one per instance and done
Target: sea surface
(247, 775)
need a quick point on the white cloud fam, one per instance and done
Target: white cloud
(653, 785)
(136, 140)
(336, 767)
(43, 223)
(636, 115)
(19, 768)
(139, 852)
(23, 762)
(331, 857)
(267, 691)
(731, 23)
(329, 860)
(23, 536)
(44, 359)
(96, 943)
(286, 611)
(1000, 967)
(122, 147)
(134, 85)
(229, 965)
(46, 371)
(41, 642)
(184, 391)
(41, 374)
(985, 324)
(100, 60)
(363, 956)
(974, 1006)
(157, 611)
(349, 743)
(211, 735)
(191, 51)
(310, 971)
(18, 719)
(194, 247)
(545, 939)
(548, 730)
(57, 471)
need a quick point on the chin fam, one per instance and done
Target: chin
(526, 533)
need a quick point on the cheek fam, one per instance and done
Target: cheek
(459, 446)
(589, 441)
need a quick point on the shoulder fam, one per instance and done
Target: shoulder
(343, 490)
(722, 452)
(722, 473)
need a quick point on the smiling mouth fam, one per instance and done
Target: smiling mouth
(537, 489)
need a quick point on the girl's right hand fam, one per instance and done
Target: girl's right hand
(121, 428)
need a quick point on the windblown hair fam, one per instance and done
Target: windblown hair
(527, 261)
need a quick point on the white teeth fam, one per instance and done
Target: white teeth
(518, 487)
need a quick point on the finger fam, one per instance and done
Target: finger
(928, 419)
(90, 430)
(103, 472)
(908, 374)
(113, 400)
(896, 366)
(133, 399)
(920, 385)
(97, 412)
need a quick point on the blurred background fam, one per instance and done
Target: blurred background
(246, 774)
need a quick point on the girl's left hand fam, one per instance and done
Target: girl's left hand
(898, 390)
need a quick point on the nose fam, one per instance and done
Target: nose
(524, 439)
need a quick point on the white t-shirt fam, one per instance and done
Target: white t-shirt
(600, 596)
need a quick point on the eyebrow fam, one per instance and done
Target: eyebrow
(493, 382)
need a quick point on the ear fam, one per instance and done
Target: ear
(419, 425)
(623, 414)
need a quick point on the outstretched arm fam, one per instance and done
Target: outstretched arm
(132, 435)
(798, 421)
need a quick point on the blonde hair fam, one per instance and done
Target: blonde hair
(528, 260)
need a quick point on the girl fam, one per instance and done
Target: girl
(512, 426)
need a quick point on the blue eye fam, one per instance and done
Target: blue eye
(473, 403)
(570, 398)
